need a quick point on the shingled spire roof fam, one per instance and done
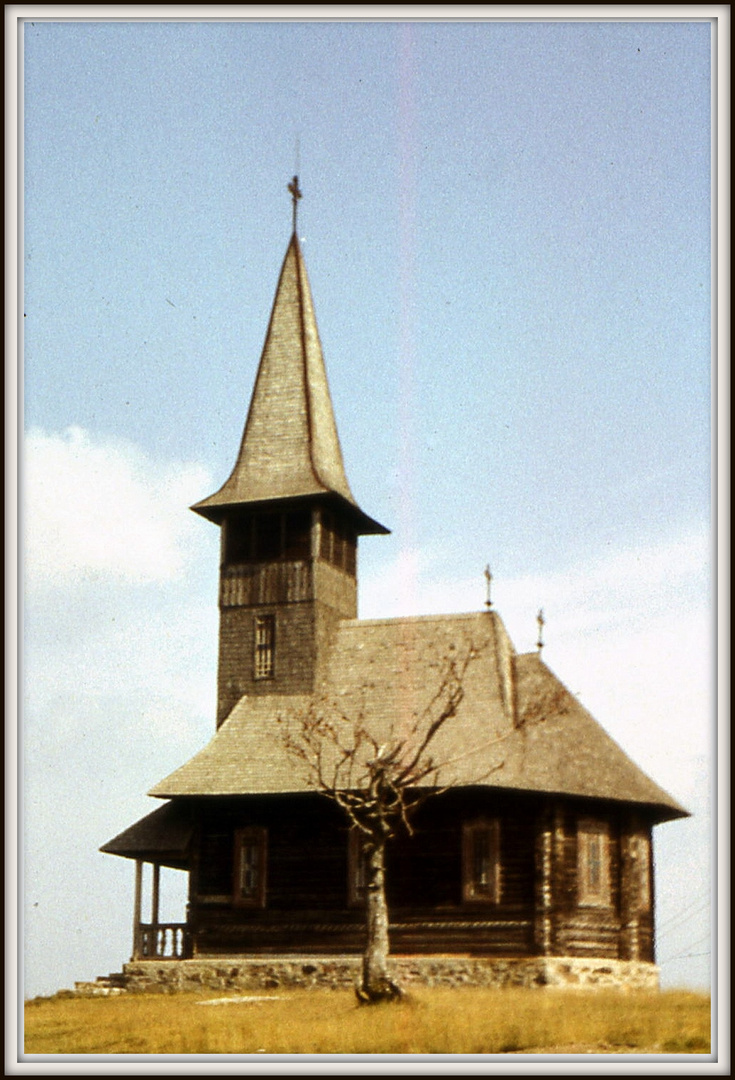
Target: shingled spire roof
(290, 447)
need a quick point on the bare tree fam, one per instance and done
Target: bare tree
(379, 779)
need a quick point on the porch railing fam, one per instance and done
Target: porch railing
(161, 941)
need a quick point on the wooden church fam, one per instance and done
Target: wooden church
(538, 855)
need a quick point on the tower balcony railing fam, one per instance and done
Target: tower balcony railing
(248, 584)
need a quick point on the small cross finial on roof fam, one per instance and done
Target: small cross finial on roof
(541, 623)
(295, 190)
(488, 579)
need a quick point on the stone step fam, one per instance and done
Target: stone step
(103, 985)
(99, 988)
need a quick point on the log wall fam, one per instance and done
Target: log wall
(308, 910)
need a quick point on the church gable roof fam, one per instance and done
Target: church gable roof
(517, 726)
(290, 447)
(562, 748)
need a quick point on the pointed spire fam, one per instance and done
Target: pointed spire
(290, 447)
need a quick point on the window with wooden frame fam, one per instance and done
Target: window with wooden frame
(481, 862)
(593, 863)
(640, 849)
(265, 646)
(250, 867)
(357, 869)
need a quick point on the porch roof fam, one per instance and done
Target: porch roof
(162, 837)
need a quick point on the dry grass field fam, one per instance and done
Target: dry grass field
(430, 1021)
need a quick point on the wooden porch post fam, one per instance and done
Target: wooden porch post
(137, 908)
(156, 893)
(158, 937)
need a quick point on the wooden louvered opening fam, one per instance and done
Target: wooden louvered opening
(338, 543)
(268, 537)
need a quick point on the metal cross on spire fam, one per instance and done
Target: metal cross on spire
(488, 579)
(295, 190)
(541, 623)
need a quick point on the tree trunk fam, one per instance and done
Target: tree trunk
(376, 984)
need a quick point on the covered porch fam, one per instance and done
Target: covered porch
(161, 839)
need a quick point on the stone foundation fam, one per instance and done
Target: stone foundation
(333, 972)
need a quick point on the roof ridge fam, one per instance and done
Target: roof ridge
(439, 617)
(305, 364)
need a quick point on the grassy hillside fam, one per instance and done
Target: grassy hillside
(431, 1021)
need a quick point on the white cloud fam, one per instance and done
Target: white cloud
(94, 507)
(119, 671)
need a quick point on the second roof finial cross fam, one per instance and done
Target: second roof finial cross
(488, 580)
(541, 623)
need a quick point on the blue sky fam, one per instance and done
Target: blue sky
(507, 231)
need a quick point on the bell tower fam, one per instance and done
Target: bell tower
(289, 522)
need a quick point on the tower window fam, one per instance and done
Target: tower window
(326, 546)
(481, 862)
(297, 535)
(250, 849)
(593, 863)
(350, 555)
(268, 537)
(265, 646)
(338, 544)
(238, 539)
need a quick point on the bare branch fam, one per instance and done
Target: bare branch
(380, 778)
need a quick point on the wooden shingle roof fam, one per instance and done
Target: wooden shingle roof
(162, 836)
(517, 726)
(290, 447)
(562, 748)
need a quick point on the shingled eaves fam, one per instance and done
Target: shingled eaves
(517, 727)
